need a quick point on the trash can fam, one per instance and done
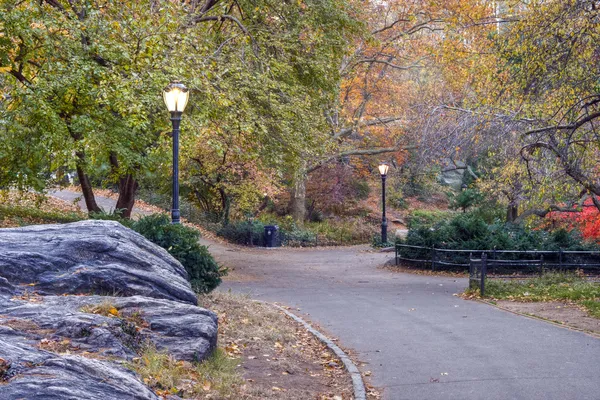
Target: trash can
(271, 235)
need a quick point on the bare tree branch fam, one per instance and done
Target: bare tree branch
(542, 212)
(221, 18)
(390, 26)
(576, 125)
(358, 152)
(389, 64)
(379, 121)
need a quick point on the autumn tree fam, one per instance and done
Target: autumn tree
(541, 70)
(82, 82)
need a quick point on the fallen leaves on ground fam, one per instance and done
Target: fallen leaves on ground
(279, 358)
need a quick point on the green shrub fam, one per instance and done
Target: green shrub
(112, 217)
(182, 243)
(376, 242)
(360, 188)
(465, 199)
(249, 233)
(295, 237)
(470, 231)
(426, 219)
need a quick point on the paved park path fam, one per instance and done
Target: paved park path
(419, 340)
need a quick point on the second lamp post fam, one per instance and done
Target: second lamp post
(176, 96)
(383, 170)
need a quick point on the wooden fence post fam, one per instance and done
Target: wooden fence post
(560, 259)
(433, 258)
(483, 273)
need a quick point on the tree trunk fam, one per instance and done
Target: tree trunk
(512, 212)
(127, 189)
(86, 185)
(226, 206)
(298, 198)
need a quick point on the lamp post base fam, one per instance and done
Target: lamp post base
(384, 232)
(175, 216)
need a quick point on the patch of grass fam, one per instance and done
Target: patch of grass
(220, 372)
(592, 307)
(216, 377)
(242, 320)
(4, 367)
(105, 308)
(551, 286)
(569, 288)
(29, 208)
(22, 216)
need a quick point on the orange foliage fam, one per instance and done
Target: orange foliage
(587, 221)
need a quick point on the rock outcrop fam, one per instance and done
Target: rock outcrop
(92, 257)
(60, 339)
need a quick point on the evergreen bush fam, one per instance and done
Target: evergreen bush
(249, 233)
(182, 243)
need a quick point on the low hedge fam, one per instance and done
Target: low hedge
(470, 231)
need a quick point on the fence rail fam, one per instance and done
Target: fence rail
(508, 262)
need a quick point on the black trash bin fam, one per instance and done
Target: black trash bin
(271, 236)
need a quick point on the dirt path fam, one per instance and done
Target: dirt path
(418, 339)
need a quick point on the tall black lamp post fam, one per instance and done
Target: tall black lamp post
(176, 96)
(383, 170)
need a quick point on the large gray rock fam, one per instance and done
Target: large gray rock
(185, 331)
(6, 289)
(54, 345)
(453, 173)
(92, 257)
(73, 378)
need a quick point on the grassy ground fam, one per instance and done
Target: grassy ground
(568, 288)
(19, 209)
(263, 355)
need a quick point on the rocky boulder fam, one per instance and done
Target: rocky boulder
(91, 257)
(453, 173)
(60, 341)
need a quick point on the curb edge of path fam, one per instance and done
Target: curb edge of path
(357, 381)
(536, 317)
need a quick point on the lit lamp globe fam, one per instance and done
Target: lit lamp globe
(176, 97)
(383, 169)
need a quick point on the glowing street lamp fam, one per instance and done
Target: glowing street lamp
(383, 170)
(176, 97)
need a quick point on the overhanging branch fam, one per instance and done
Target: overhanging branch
(358, 152)
(576, 125)
(221, 18)
(379, 121)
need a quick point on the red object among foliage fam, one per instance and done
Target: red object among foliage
(587, 221)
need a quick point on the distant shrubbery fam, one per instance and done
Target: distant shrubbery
(472, 231)
(182, 243)
(248, 233)
(251, 233)
(290, 234)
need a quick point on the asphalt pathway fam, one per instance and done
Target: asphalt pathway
(417, 338)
